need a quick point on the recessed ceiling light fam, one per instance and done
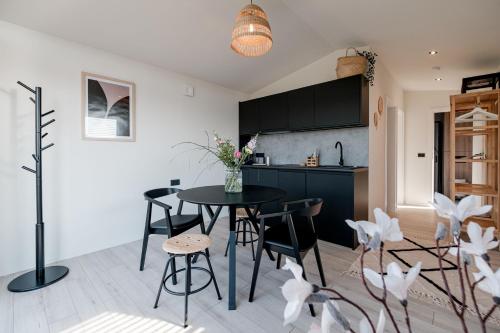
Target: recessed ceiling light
(438, 79)
(433, 52)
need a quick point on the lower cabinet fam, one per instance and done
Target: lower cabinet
(344, 194)
(337, 192)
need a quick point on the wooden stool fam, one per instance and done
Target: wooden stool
(242, 218)
(186, 245)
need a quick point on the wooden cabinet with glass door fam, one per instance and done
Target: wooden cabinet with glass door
(474, 147)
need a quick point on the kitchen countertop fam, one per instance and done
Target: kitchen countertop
(333, 168)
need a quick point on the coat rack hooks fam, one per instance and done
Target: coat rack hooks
(42, 276)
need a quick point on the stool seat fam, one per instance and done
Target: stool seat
(186, 243)
(241, 213)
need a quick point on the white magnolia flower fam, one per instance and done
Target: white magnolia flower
(465, 208)
(491, 281)
(364, 325)
(295, 292)
(385, 226)
(479, 243)
(396, 282)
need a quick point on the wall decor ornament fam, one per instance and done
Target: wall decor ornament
(108, 108)
(380, 105)
(375, 119)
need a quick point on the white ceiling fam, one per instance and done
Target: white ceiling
(193, 36)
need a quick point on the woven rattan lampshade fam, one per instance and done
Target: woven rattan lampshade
(252, 33)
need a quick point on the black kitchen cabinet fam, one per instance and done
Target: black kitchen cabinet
(344, 194)
(341, 103)
(294, 183)
(249, 122)
(262, 177)
(337, 207)
(334, 104)
(273, 111)
(301, 108)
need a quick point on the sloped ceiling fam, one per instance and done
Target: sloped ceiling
(193, 36)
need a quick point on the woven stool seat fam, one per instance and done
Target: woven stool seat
(241, 213)
(186, 244)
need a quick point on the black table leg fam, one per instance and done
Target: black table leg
(213, 217)
(232, 258)
(253, 219)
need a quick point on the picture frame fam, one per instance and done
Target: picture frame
(108, 108)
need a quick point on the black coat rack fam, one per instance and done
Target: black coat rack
(42, 276)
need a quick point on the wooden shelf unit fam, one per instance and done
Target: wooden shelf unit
(489, 189)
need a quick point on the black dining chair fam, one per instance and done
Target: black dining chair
(293, 237)
(171, 225)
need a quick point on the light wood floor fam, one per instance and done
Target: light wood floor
(105, 292)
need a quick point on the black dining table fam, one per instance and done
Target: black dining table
(251, 196)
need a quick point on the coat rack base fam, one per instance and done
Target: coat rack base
(28, 281)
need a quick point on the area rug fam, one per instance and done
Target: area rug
(429, 286)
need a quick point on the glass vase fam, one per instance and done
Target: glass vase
(234, 182)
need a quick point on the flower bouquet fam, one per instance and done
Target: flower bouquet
(225, 151)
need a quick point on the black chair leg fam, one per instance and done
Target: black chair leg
(251, 241)
(174, 269)
(144, 249)
(188, 288)
(320, 265)
(213, 274)
(301, 264)
(256, 265)
(278, 262)
(227, 249)
(161, 283)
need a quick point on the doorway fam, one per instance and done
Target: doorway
(441, 153)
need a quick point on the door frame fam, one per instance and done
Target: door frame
(395, 153)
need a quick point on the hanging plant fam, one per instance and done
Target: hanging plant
(371, 59)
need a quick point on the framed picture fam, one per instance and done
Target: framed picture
(108, 108)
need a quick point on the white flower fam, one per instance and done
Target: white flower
(491, 281)
(295, 292)
(385, 226)
(396, 282)
(364, 325)
(362, 236)
(252, 143)
(479, 243)
(465, 208)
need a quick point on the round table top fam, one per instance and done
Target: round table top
(216, 196)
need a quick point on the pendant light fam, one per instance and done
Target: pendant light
(251, 33)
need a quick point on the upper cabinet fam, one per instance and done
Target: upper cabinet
(341, 103)
(301, 108)
(249, 117)
(273, 112)
(333, 104)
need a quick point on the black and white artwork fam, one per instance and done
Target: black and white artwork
(108, 108)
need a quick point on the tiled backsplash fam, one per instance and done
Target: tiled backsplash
(293, 148)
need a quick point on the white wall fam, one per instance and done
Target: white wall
(93, 189)
(324, 70)
(420, 107)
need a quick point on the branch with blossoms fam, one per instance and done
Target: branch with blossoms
(468, 252)
(224, 150)
(372, 237)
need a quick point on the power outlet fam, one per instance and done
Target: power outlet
(175, 182)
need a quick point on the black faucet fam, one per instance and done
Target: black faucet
(341, 162)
